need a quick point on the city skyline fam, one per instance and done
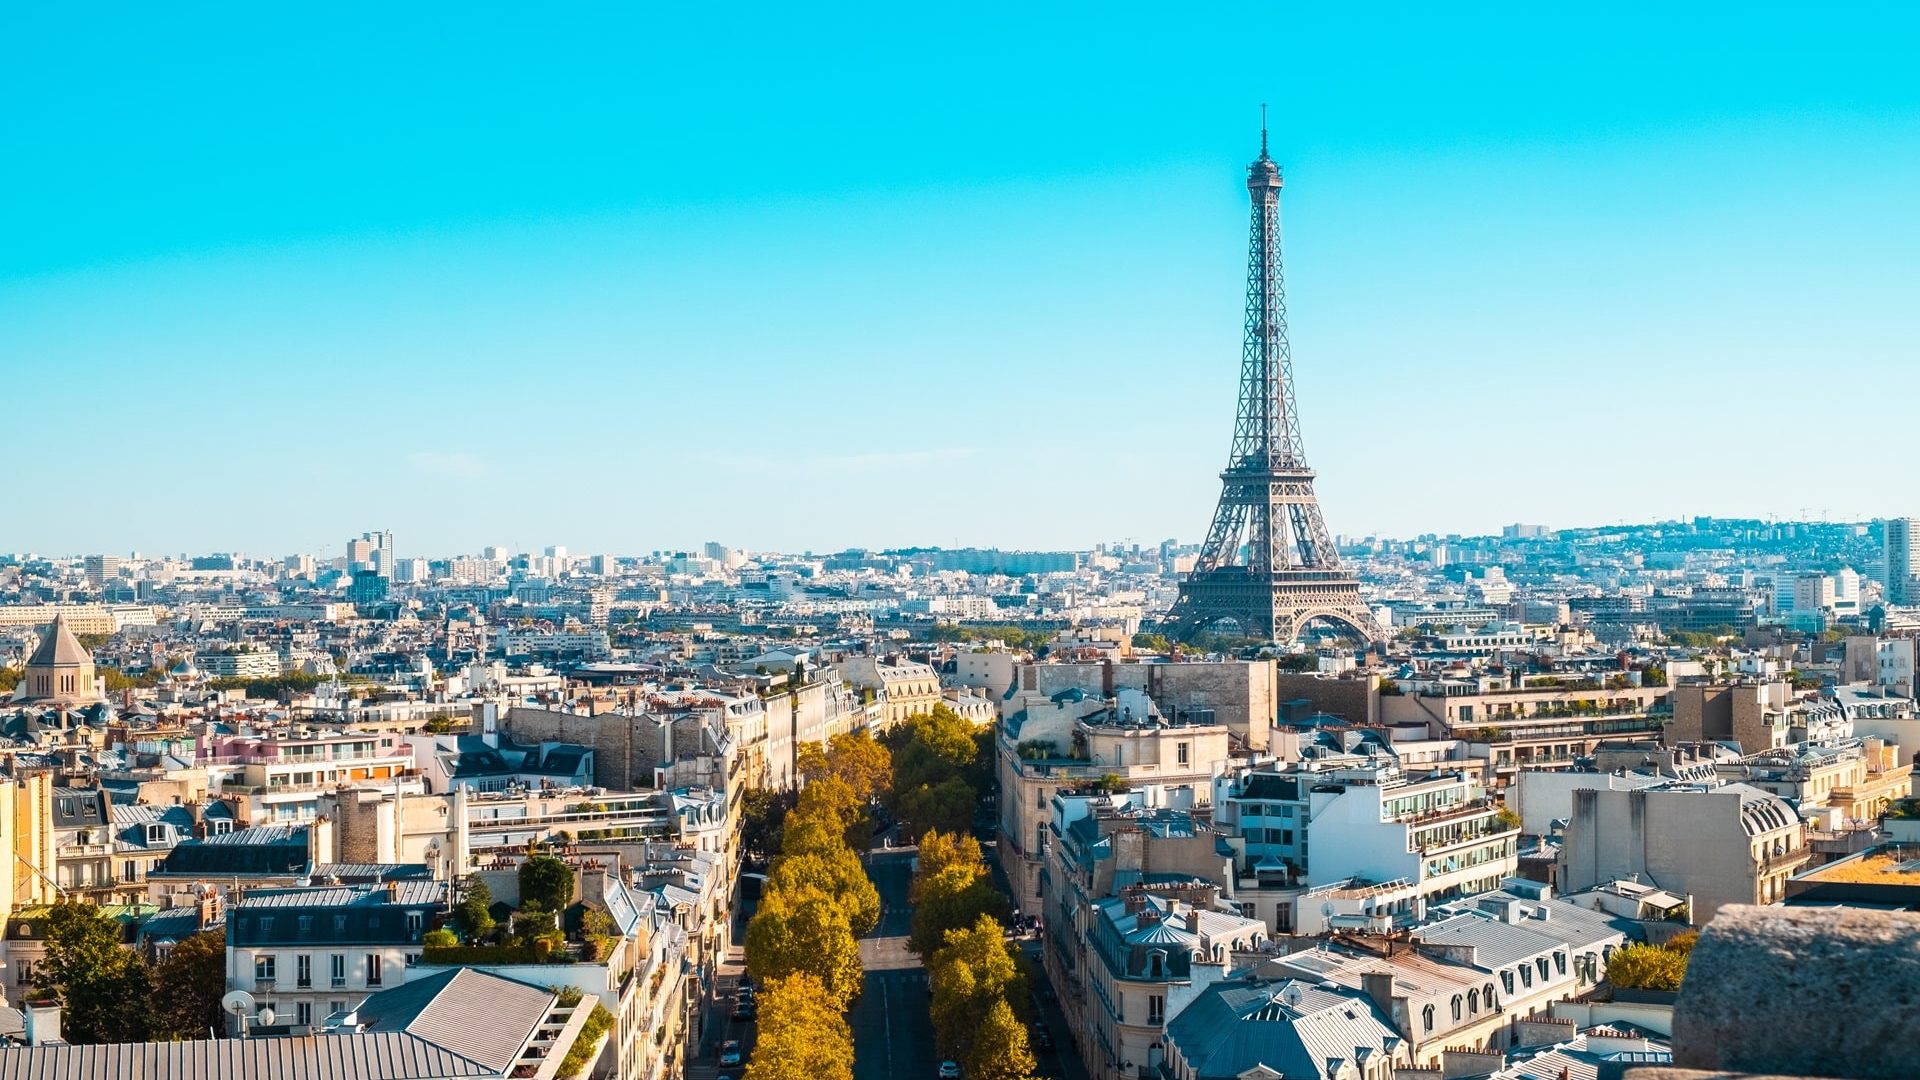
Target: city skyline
(1526, 284)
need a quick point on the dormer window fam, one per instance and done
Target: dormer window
(221, 827)
(156, 833)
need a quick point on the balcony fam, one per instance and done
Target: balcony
(1444, 813)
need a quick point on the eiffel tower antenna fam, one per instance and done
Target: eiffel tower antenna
(1269, 563)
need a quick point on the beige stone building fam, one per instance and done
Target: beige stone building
(901, 688)
(1719, 845)
(1073, 741)
(60, 671)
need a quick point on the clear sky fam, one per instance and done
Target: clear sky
(809, 276)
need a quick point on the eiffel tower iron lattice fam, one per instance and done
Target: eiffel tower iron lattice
(1269, 563)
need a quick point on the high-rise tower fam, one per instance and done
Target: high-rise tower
(1269, 563)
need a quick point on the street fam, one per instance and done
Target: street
(892, 1031)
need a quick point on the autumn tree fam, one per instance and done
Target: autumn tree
(187, 987)
(855, 758)
(102, 986)
(801, 1036)
(1648, 967)
(999, 1050)
(951, 890)
(971, 972)
(805, 932)
(836, 873)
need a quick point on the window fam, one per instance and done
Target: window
(156, 833)
(1156, 1009)
(1426, 1018)
(263, 969)
(222, 828)
(306, 925)
(129, 872)
(1473, 1002)
(1541, 963)
(373, 969)
(339, 924)
(416, 924)
(266, 925)
(303, 971)
(1526, 976)
(303, 1013)
(1487, 992)
(1457, 1003)
(1506, 982)
(338, 970)
(1181, 753)
(1560, 963)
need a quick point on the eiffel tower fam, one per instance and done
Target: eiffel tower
(1269, 563)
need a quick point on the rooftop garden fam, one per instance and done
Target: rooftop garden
(533, 933)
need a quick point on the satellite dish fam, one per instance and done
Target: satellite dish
(265, 1016)
(237, 1002)
(1327, 910)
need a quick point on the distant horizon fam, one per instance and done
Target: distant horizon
(402, 551)
(815, 277)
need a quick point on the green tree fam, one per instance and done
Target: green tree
(941, 850)
(546, 881)
(948, 806)
(9, 678)
(474, 911)
(761, 812)
(103, 987)
(800, 1035)
(999, 1050)
(956, 898)
(805, 932)
(187, 987)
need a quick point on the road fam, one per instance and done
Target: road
(892, 1031)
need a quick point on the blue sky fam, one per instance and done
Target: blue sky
(625, 280)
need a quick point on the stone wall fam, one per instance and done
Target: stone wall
(1807, 991)
(610, 735)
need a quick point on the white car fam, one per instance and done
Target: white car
(949, 1070)
(730, 1052)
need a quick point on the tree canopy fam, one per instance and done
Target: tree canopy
(187, 988)
(836, 873)
(971, 973)
(1651, 967)
(103, 988)
(801, 1036)
(855, 758)
(546, 881)
(805, 932)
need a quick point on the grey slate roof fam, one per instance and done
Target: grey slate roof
(1236, 1026)
(480, 1016)
(381, 1055)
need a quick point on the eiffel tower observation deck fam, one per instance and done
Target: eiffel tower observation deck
(1269, 564)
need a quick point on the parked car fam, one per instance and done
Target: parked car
(745, 1010)
(1042, 1039)
(730, 1052)
(949, 1070)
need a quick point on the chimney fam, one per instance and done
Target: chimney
(1378, 985)
(393, 891)
(1193, 921)
(210, 908)
(42, 1023)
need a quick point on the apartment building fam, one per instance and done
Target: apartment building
(1073, 741)
(308, 953)
(1858, 778)
(902, 688)
(1440, 832)
(1716, 843)
(278, 779)
(1518, 723)
(1144, 949)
